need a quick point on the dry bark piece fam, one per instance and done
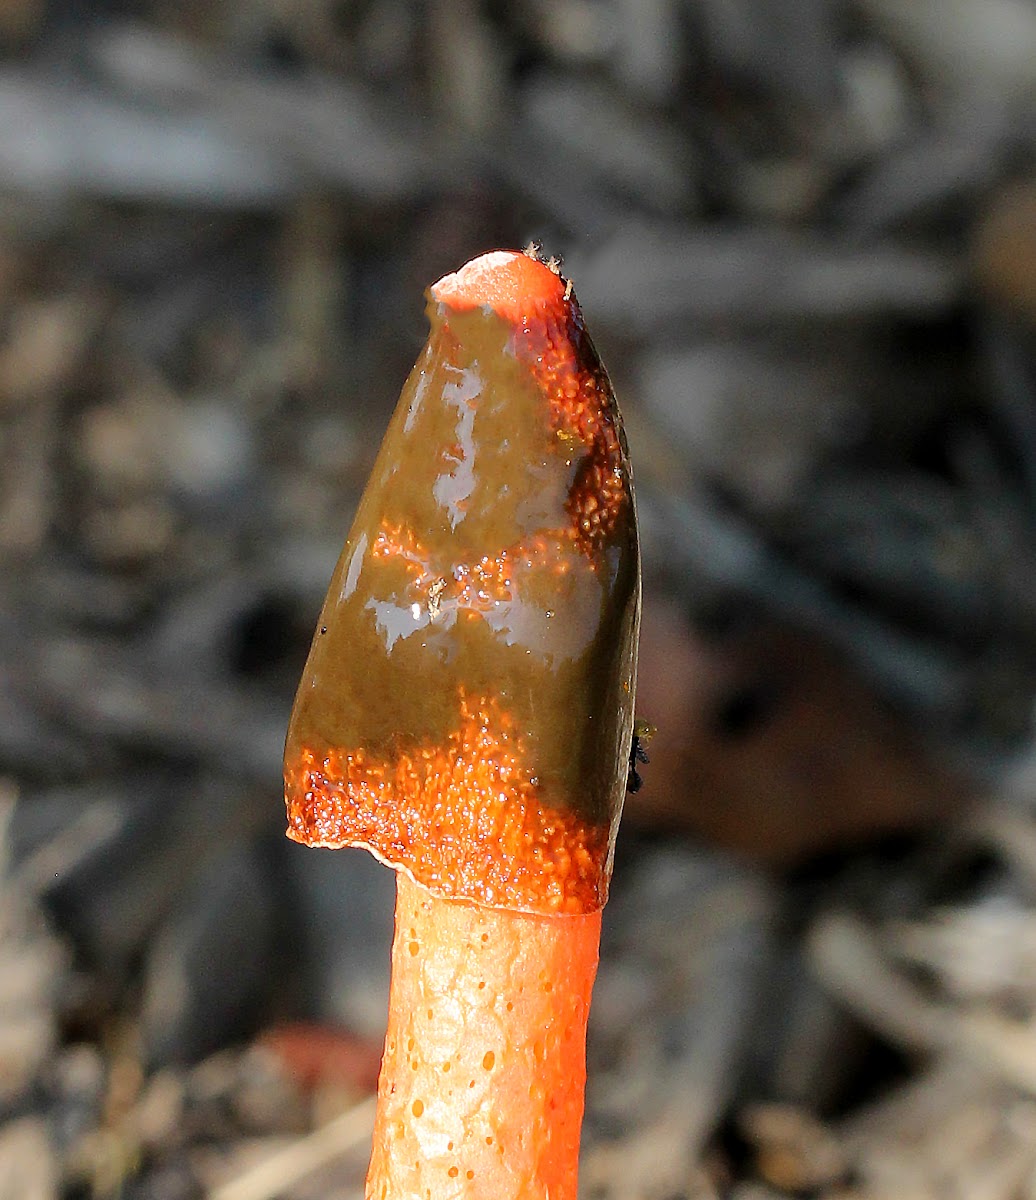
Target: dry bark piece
(774, 748)
(1004, 251)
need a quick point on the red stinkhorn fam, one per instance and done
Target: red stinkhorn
(466, 714)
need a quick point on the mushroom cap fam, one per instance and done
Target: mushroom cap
(466, 710)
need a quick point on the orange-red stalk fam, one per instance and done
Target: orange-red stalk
(481, 1090)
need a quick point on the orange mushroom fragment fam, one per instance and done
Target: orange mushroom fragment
(466, 714)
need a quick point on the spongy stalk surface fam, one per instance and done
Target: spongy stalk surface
(482, 1081)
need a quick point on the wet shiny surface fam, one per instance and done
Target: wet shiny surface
(466, 709)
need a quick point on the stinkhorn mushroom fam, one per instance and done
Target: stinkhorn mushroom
(466, 714)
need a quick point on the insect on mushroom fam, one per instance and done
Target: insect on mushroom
(643, 732)
(466, 714)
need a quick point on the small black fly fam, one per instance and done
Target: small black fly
(643, 731)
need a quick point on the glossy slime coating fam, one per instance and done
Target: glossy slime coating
(466, 709)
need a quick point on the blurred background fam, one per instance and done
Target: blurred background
(804, 238)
